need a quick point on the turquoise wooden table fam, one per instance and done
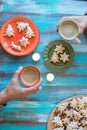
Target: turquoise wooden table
(32, 112)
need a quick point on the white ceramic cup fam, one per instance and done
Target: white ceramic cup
(69, 30)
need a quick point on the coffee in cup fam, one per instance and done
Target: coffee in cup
(30, 76)
(69, 30)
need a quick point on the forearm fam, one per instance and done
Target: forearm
(4, 97)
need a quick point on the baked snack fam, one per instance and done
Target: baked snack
(59, 55)
(54, 58)
(64, 57)
(9, 32)
(29, 32)
(14, 46)
(22, 26)
(71, 114)
(59, 49)
(24, 41)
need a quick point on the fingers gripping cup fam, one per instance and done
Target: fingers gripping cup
(30, 76)
(69, 30)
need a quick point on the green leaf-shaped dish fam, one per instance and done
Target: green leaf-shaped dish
(49, 51)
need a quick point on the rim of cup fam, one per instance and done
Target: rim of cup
(35, 69)
(60, 32)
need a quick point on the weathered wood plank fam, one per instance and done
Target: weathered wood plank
(32, 112)
(45, 7)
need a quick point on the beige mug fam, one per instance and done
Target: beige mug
(69, 30)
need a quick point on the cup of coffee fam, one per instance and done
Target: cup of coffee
(30, 76)
(69, 30)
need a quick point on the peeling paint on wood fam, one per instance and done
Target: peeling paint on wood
(32, 112)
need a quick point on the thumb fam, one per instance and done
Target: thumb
(16, 74)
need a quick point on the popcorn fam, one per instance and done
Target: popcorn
(77, 115)
(84, 99)
(73, 103)
(68, 113)
(57, 121)
(72, 126)
(81, 128)
(65, 120)
(62, 106)
(71, 115)
(80, 103)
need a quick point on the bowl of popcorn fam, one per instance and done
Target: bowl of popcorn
(19, 36)
(70, 114)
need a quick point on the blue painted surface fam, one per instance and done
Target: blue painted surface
(23, 127)
(32, 112)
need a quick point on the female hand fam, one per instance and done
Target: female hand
(80, 20)
(14, 90)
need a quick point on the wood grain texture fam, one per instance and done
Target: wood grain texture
(32, 112)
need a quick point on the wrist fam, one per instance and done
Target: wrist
(4, 97)
(85, 21)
